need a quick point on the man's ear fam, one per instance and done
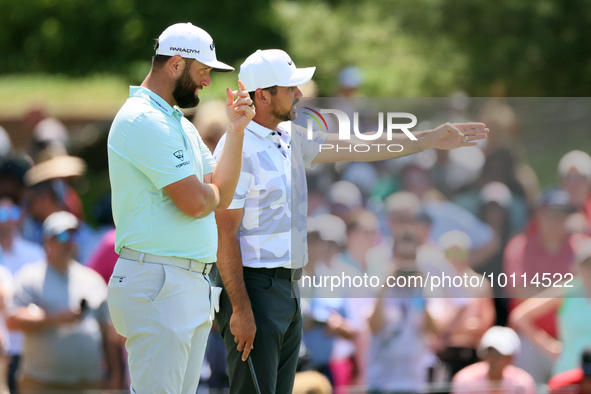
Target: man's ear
(176, 65)
(262, 96)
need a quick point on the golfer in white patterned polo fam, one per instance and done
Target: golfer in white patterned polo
(165, 186)
(262, 237)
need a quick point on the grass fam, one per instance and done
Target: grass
(96, 96)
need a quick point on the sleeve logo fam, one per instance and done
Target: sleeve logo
(179, 155)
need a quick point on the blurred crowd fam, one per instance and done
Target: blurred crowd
(478, 212)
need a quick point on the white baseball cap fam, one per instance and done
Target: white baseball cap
(503, 339)
(577, 159)
(496, 192)
(272, 67)
(192, 42)
(58, 222)
(329, 228)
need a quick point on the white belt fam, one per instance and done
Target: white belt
(187, 264)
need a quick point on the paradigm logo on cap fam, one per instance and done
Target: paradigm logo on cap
(190, 41)
(186, 50)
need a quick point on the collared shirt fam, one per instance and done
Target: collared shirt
(151, 145)
(272, 191)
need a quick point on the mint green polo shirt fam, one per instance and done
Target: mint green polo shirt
(150, 146)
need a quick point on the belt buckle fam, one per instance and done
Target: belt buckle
(205, 267)
(194, 264)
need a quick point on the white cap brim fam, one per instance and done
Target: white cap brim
(301, 76)
(216, 65)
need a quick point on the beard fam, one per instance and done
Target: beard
(284, 115)
(184, 92)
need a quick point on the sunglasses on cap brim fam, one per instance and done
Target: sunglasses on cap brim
(11, 214)
(65, 236)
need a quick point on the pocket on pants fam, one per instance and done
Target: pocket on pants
(157, 282)
(115, 300)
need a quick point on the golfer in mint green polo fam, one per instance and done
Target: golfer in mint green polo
(165, 188)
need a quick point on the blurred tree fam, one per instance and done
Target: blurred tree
(369, 34)
(405, 47)
(511, 47)
(80, 37)
(435, 47)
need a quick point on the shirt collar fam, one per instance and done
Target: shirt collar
(157, 101)
(262, 131)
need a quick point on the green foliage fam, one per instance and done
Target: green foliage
(369, 35)
(434, 47)
(515, 47)
(79, 37)
(405, 47)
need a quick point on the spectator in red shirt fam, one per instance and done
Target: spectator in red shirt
(576, 381)
(546, 247)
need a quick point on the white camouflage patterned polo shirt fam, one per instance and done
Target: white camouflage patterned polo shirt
(273, 192)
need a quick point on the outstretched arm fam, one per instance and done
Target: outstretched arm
(523, 316)
(446, 136)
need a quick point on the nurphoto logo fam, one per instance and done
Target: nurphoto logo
(344, 129)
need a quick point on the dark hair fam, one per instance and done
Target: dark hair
(159, 61)
(271, 89)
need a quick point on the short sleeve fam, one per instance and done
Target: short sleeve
(22, 297)
(310, 147)
(245, 184)
(159, 151)
(246, 180)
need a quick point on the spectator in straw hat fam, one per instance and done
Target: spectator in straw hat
(311, 382)
(49, 192)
